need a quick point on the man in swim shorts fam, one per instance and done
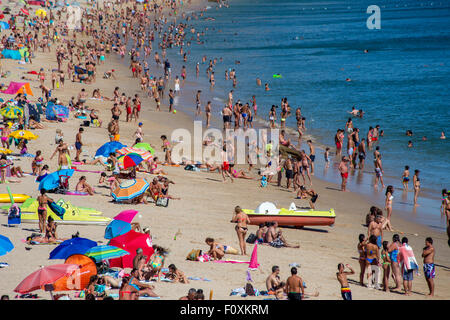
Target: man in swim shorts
(78, 144)
(294, 284)
(343, 169)
(346, 293)
(429, 269)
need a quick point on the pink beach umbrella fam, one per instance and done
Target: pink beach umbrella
(45, 275)
(127, 215)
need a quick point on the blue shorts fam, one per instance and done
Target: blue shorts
(379, 242)
(408, 275)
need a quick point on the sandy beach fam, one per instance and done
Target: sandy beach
(206, 206)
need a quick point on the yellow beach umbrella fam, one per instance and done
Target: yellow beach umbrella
(5, 151)
(23, 134)
(11, 111)
(41, 12)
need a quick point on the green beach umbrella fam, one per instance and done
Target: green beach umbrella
(144, 146)
(105, 252)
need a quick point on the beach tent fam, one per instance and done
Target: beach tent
(11, 54)
(55, 112)
(79, 279)
(130, 242)
(18, 87)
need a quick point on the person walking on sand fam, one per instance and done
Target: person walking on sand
(343, 169)
(78, 144)
(294, 284)
(312, 155)
(428, 264)
(409, 264)
(43, 200)
(388, 205)
(241, 218)
(386, 263)
(341, 276)
(416, 184)
(362, 241)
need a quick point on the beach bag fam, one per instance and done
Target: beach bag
(162, 202)
(251, 238)
(189, 167)
(86, 123)
(193, 255)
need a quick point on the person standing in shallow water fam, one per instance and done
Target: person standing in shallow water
(416, 185)
(242, 220)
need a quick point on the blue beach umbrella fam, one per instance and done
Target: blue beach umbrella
(5, 245)
(105, 252)
(4, 25)
(71, 247)
(51, 181)
(116, 228)
(108, 148)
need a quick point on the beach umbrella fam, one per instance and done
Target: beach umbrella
(71, 247)
(108, 148)
(11, 111)
(41, 13)
(131, 241)
(79, 279)
(126, 215)
(51, 181)
(4, 25)
(23, 134)
(130, 189)
(105, 252)
(116, 228)
(5, 151)
(130, 160)
(25, 11)
(5, 245)
(144, 146)
(144, 154)
(43, 276)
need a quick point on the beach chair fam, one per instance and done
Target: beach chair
(14, 215)
(63, 184)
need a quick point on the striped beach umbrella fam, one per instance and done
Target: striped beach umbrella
(11, 111)
(105, 252)
(144, 146)
(130, 189)
(130, 160)
(127, 150)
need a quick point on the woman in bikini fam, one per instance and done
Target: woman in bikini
(362, 257)
(372, 259)
(176, 275)
(393, 250)
(37, 163)
(5, 136)
(156, 262)
(386, 265)
(388, 205)
(43, 200)
(3, 165)
(167, 149)
(242, 220)
(416, 184)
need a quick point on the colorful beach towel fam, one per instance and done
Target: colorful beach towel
(407, 259)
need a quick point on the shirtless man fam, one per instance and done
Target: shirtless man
(293, 286)
(375, 228)
(63, 151)
(155, 189)
(428, 264)
(289, 172)
(274, 283)
(78, 144)
(342, 278)
(275, 237)
(208, 113)
(362, 153)
(378, 171)
(343, 169)
(226, 114)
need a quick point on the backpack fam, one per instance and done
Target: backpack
(251, 238)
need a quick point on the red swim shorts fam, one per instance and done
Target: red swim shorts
(344, 175)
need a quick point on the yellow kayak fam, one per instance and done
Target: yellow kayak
(70, 217)
(19, 198)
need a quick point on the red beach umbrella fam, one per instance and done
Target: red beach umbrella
(126, 215)
(131, 241)
(45, 275)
